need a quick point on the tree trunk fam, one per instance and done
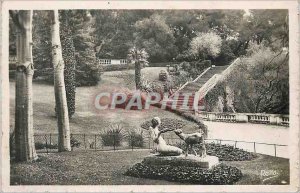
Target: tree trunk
(24, 135)
(59, 87)
(138, 75)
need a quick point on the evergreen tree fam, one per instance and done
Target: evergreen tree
(88, 71)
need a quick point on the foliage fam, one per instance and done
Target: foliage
(87, 71)
(213, 96)
(118, 67)
(156, 37)
(166, 123)
(226, 55)
(224, 152)
(135, 138)
(206, 45)
(40, 145)
(220, 174)
(113, 136)
(110, 33)
(41, 33)
(68, 52)
(180, 79)
(264, 85)
(75, 142)
(114, 31)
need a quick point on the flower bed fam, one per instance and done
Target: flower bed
(225, 152)
(221, 174)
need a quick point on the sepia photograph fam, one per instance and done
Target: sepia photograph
(166, 96)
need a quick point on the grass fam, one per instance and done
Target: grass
(96, 168)
(87, 119)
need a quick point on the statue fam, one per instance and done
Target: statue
(192, 139)
(162, 147)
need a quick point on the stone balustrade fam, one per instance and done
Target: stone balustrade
(274, 119)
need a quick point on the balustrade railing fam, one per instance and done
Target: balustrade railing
(275, 119)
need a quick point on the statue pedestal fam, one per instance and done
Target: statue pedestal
(191, 160)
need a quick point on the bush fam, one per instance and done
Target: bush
(135, 138)
(118, 67)
(185, 66)
(75, 142)
(220, 174)
(40, 145)
(113, 136)
(226, 55)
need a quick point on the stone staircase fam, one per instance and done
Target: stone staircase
(199, 88)
(196, 84)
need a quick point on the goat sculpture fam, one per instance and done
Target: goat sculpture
(192, 139)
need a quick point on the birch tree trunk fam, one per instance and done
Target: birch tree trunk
(24, 139)
(59, 87)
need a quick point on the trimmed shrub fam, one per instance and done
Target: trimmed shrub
(117, 67)
(135, 138)
(113, 136)
(220, 174)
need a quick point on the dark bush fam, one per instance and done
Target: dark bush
(113, 136)
(185, 56)
(226, 55)
(75, 142)
(220, 174)
(135, 139)
(40, 145)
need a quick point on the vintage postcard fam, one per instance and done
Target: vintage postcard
(149, 96)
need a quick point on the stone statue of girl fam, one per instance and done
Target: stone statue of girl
(161, 146)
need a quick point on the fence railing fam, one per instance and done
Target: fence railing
(275, 119)
(49, 143)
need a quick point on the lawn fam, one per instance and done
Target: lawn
(87, 119)
(97, 168)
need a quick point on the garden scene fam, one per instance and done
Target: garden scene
(149, 97)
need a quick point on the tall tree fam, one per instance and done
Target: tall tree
(59, 86)
(87, 69)
(25, 148)
(69, 59)
(138, 57)
(157, 38)
(206, 44)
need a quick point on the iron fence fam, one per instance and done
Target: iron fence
(49, 143)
